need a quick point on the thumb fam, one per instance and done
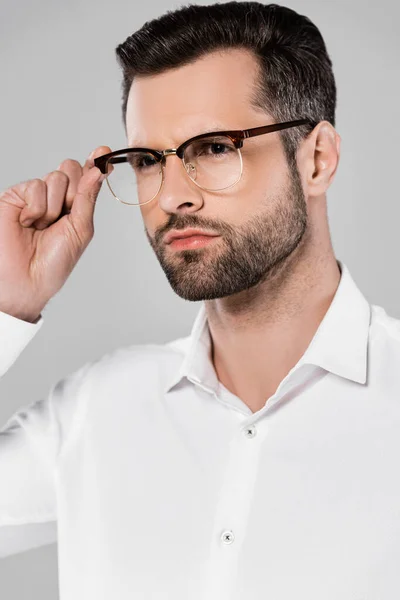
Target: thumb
(82, 209)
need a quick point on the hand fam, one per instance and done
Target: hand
(37, 256)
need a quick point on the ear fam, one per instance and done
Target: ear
(319, 158)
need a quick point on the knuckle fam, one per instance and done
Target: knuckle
(35, 197)
(69, 162)
(58, 175)
(36, 182)
(12, 196)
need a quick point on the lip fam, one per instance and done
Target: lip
(192, 242)
(185, 233)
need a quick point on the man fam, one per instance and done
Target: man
(256, 458)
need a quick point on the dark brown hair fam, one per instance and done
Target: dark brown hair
(295, 78)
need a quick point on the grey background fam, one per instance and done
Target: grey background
(60, 98)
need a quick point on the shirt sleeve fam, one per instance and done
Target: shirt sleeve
(30, 442)
(15, 335)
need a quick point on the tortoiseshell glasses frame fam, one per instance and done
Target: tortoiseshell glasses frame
(237, 136)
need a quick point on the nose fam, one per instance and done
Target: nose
(178, 192)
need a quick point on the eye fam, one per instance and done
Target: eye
(213, 148)
(218, 148)
(141, 161)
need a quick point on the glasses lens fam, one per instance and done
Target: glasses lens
(214, 163)
(134, 177)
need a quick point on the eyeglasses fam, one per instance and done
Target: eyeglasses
(212, 160)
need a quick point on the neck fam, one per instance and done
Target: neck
(260, 334)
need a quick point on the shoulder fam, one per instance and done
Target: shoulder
(384, 343)
(138, 360)
(113, 379)
(384, 326)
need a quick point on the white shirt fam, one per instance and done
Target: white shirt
(160, 484)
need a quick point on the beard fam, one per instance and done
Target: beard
(244, 256)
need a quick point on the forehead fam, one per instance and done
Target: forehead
(211, 93)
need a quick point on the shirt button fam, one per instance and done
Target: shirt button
(227, 537)
(250, 431)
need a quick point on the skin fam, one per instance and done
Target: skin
(269, 278)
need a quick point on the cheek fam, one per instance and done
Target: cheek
(151, 216)
(268, 174)
(263, 180)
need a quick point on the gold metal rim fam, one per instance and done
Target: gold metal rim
(162, 181)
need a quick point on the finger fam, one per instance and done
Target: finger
(74, 171)
(82, 211)
(35, 196)
(57, 185)
(99, 151)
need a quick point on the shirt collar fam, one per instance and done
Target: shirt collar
(339, 344)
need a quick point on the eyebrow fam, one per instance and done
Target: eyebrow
(210, 129)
